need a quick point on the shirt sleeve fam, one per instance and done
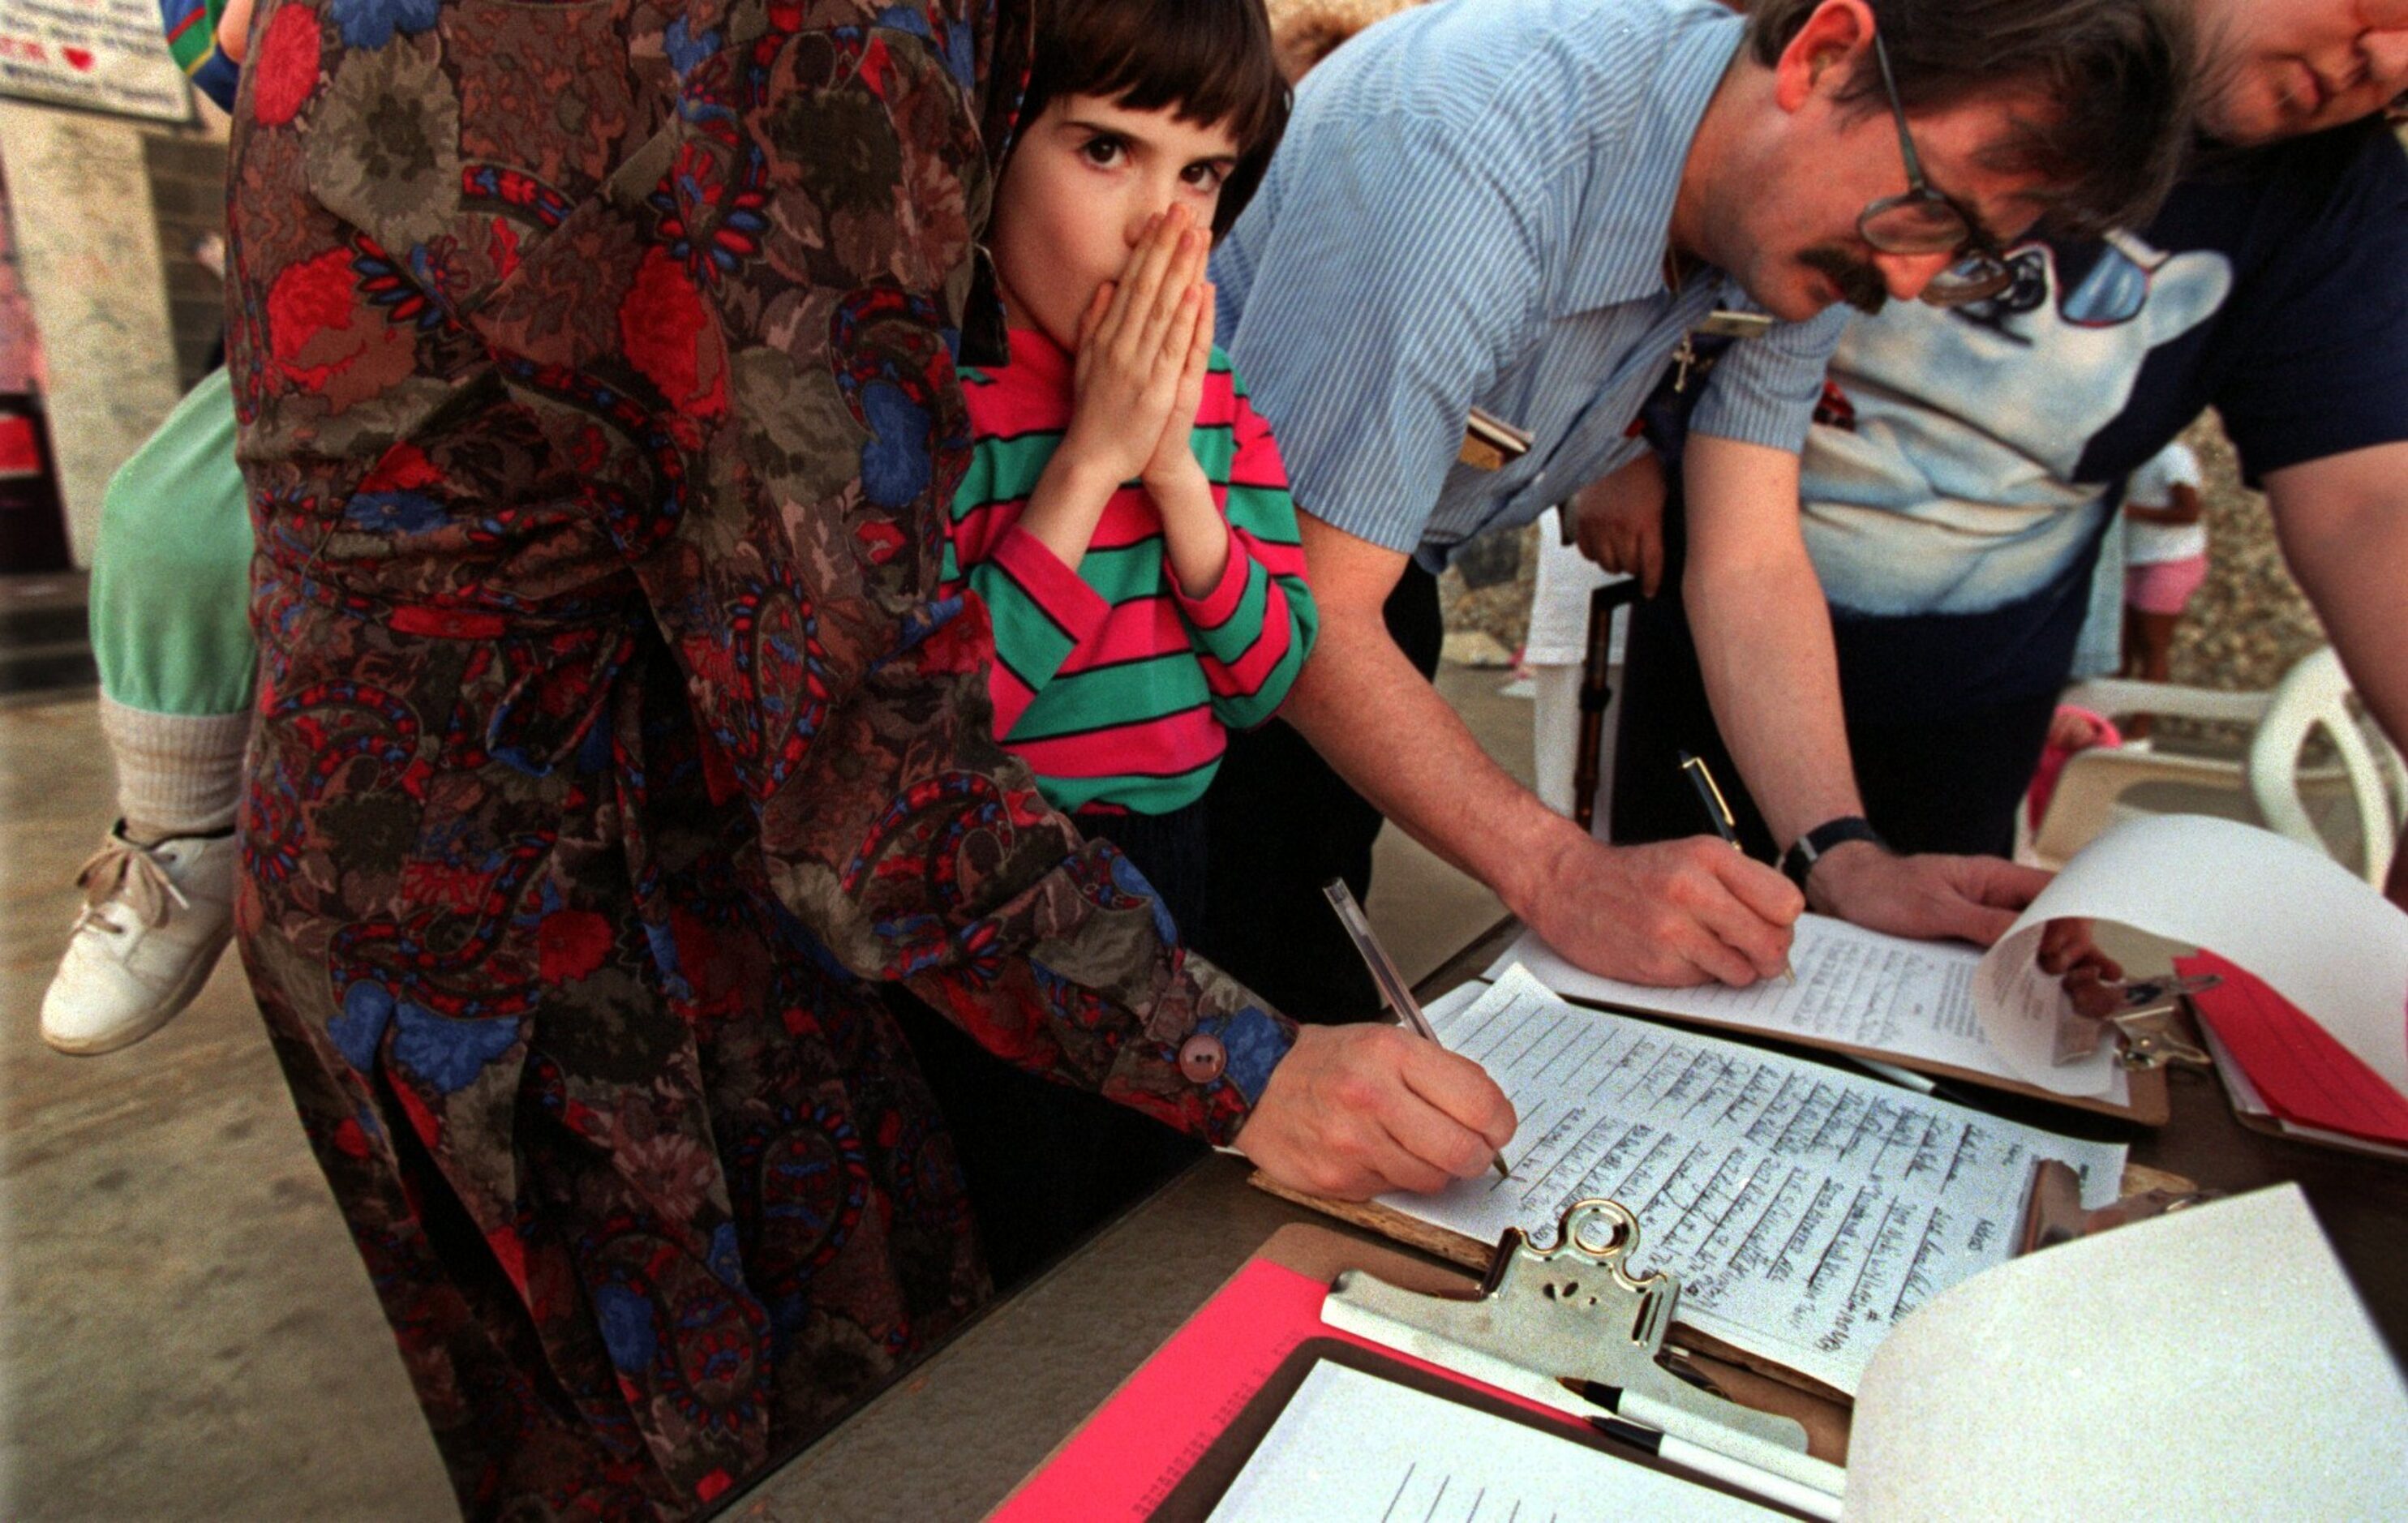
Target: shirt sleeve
(2324, 367)
(1763, 390)
(1039, 609)
(1371, 409)
(804, 595)
(190, 27)
(1253, 632)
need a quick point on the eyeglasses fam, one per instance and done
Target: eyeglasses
(1923, 221)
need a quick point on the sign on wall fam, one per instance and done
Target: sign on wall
(103, 55)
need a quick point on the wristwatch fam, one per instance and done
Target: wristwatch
(1798, 862)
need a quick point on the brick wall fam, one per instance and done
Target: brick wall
(188, 199)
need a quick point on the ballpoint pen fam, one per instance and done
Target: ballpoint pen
(1787, 1490)
(1718, 813)
(1384, 972)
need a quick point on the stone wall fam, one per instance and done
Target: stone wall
(125, 319)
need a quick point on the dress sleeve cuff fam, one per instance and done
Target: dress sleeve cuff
(1053, 588)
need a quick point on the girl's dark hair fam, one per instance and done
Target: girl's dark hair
(1207, 61)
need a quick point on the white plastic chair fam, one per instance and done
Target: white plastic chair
(2269, 782)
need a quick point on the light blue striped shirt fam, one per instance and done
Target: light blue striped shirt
(1471, 208)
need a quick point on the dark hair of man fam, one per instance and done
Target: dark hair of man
(2115, 76)
(1211, 62)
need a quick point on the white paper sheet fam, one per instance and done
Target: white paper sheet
(2213, 1363)
(1912, 999)
(2322, 939)
(1803, 1209)
(1351, 1447)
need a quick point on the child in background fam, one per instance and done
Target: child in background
(171, 636)
(1126, 523)
(2165, 559)
(2070, 731)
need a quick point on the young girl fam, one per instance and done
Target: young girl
(1125, 523)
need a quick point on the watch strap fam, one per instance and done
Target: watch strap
(1798, 862)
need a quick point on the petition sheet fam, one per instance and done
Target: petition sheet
(1861, 987)
(1351, 1447)
(1804, 1209)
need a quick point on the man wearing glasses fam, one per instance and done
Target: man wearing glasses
(1957, 487)
(1523, 211)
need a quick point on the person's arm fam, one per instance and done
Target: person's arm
(1194, 538)
(2184, 507)
(2343, 523)
(1763, 634)
(1687, 912)
(1039, 609)
(1253, 630)
(1136, 343)
(233, 30)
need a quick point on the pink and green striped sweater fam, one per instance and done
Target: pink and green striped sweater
(1112, 684)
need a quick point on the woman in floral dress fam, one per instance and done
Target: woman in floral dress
(595, 372)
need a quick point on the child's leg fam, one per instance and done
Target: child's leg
(2154, 633)
(171, 623)
(171, 634)
(2155, 596)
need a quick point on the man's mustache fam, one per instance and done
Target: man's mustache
(1860, 285)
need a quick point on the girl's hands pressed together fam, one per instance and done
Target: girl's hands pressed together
(1135, 347)
(1173, 465)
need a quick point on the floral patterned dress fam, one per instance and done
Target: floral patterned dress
(595, 375)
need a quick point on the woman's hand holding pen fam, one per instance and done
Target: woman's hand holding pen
(1354, 1110)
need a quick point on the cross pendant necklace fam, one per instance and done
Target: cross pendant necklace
(1683, 358)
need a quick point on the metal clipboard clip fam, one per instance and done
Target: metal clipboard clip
(2145, 1025)
(1573, 1316)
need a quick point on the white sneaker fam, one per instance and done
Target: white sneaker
(152, 924)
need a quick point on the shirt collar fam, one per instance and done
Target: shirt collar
(1625, 216)
(1034, 357)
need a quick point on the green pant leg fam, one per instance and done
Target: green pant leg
(171, 569)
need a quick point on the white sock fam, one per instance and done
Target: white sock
(176, 774)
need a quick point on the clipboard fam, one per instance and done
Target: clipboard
(2048, 1219)
(2149, 1104)
(1190, 1410)
(1976, 1409)
(1202, 1489)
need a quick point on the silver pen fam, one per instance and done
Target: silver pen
(1384, 972)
